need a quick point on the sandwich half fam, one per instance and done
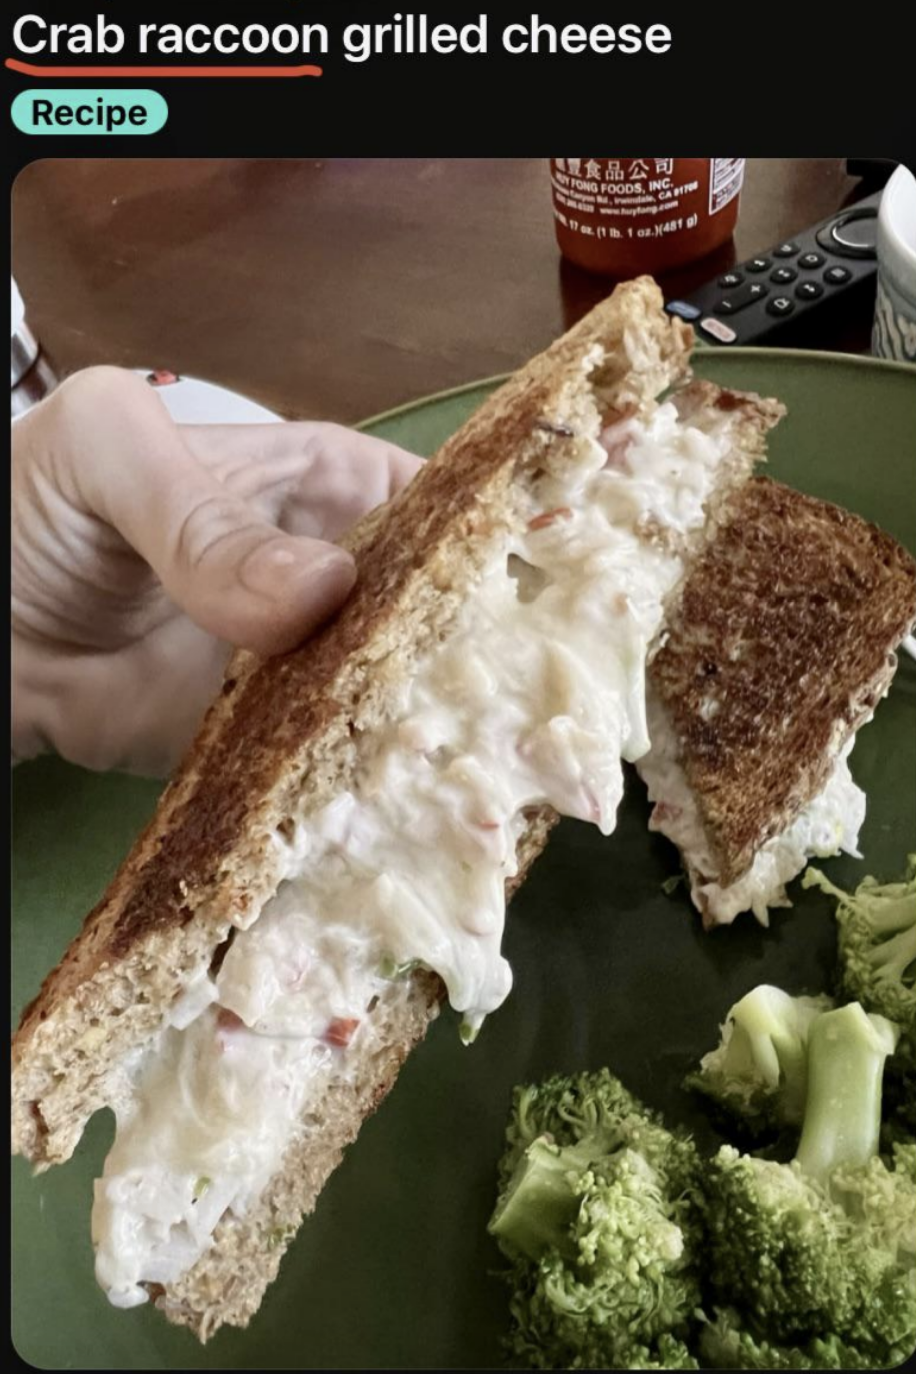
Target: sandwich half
(333, 858)
(781, 645)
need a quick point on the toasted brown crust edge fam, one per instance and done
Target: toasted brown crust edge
(168, 892)
(840, 596)
(228, 1283)
(287, 725)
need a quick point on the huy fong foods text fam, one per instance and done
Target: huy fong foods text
(644, 214)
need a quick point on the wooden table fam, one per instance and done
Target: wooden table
(332, 289)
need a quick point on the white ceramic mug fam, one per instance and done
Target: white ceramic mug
(894, 333)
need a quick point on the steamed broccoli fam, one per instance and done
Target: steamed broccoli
(877, 930)
(758, 1073)
(727, 1343)
(597, 1212)
(818, 1255)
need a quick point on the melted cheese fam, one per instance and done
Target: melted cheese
(535, 697)
(830, 822)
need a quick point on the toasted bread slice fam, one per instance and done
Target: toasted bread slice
(288, 736)
(781, 646)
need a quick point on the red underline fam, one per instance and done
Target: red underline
(30, 69)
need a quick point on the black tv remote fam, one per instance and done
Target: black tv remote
(830, 268)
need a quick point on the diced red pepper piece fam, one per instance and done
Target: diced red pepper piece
(340, 1031)
(227, 1025)
(550, 517)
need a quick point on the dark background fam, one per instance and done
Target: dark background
(760, 80)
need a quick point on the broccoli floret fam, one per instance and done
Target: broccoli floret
(758, 1073)
(821, 1249)
(877, 938)
(597, 1213)
(726, 1343)
(842, 1121)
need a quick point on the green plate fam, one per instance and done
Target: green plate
(395, 1270)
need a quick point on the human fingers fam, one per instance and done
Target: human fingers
(309, 478)
(115, 449)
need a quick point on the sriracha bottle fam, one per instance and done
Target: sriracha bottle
(627, 215)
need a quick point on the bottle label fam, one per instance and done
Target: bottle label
(726, 176)
(622, 198)
(643, 214)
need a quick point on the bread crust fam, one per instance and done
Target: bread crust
(228, 1282)
(780, 647)
(289, 725)
(283, 738)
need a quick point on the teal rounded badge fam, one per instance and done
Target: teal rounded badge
(89, 112)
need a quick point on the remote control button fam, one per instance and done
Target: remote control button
(837, 276)
(809, 290)
(780, 306)
(718, 329)
(783, 275)
(785, 250)
(853, 234)
(811, 260)
(757, 264)
(731, 279)
(684, 310)
(741, 299)
(858, 232)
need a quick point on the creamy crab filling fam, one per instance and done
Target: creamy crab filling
(535, 697)
(830, 822)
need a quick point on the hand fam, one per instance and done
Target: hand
(143, 551)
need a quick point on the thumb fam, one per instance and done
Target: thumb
(237, 576)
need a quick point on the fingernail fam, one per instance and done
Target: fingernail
(273, 568)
